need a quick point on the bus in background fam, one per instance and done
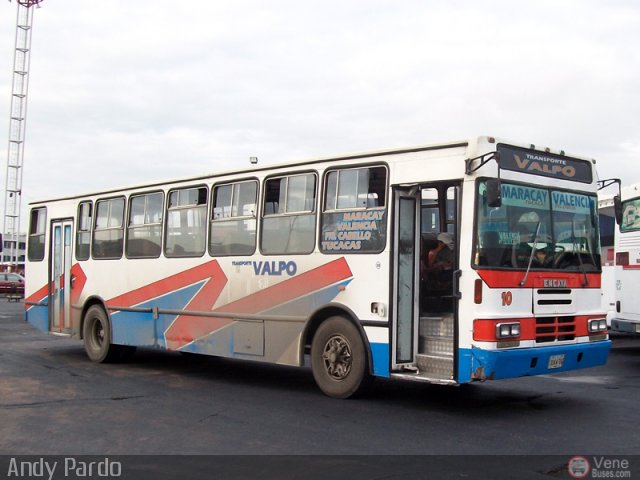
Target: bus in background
(608, 227)
(627, 270)
(450, 263)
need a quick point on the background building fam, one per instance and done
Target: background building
(8, 263)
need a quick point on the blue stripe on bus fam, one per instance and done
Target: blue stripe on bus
(38, 316)
(141, 329)
(380, 356)
(497, 364)
(308, 302)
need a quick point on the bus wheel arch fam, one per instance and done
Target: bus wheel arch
(90, 302)
(97, 335)
(340, 353)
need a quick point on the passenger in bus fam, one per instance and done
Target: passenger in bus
(438, 262)
(437, 275)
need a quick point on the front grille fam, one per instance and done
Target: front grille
(554, 302)
(557, 299)
(555, 329)
(554, 291)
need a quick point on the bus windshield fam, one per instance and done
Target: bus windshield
(537, 228)
(630, 215)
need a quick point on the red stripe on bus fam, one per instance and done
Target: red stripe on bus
(186, 329)
(303, 284)
(511, 279)
(485, 330)
(38, 296)
(530, 329)
(78, 281)
(210, 270)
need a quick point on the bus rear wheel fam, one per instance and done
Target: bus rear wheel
(339, 358)
(96, 332)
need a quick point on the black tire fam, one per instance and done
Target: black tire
(339, 359)
(96, 332)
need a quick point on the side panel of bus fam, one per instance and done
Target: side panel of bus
(256, 307)
(627, 270)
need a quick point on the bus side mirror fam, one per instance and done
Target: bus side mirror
(494, 192)
(617, 209)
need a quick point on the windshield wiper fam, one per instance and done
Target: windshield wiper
(533, 251)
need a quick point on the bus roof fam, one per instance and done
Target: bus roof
(268, 167)
(470, 142)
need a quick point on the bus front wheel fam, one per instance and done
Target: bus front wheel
(339, 358)
(96, 332)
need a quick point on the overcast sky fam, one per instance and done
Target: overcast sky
(125, 92)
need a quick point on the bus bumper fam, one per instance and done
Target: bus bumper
(626, 326)
(479, 364)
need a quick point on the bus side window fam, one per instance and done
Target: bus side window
(354, 210)
(108, 235)
(185, 235)
(83, 231)
(144, 229)
(233, 219)
(289, 219)
(37, 229)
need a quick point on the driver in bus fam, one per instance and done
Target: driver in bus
(540, 257)
(530, 236)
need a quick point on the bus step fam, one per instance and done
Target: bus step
(435, 366)
(432, 345)
(436, 326)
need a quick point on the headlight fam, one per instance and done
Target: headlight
(508, 330)
(597, 325)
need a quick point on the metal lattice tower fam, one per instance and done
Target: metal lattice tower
(17, 127)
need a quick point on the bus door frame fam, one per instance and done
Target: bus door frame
(60, 261)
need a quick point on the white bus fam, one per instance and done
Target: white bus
(448, 263)
(627, 269)
(608, 228)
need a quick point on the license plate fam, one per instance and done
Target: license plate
(556, 361)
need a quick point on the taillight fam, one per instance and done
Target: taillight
(477, 291)
(610, 252)
(622, 258)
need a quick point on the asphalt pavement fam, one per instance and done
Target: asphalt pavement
(54, 401)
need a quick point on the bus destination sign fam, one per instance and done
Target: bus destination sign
(544, 164)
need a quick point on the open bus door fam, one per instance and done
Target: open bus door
(60, 276)
(405, 277)
(425, 280)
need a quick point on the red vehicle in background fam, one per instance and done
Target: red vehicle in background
(11, 283)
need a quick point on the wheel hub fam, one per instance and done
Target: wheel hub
(337, 357)
(98, 334)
